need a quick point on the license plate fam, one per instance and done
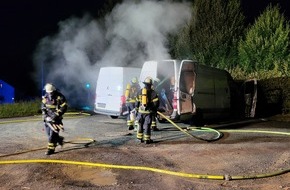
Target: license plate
(101, 105)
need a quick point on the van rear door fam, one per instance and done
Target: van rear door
(186, 84)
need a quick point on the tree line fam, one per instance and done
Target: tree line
(218, 36)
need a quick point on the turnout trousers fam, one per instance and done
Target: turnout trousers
(53, 137)
(130, 122)
(144, 127)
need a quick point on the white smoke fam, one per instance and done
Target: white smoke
(129, 35)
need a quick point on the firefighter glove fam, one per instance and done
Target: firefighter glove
(48, 119)
(54, 115)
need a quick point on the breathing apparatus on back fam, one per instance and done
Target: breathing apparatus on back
(144, 99)
(127, 92)
(148, 83)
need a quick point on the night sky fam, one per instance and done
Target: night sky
(23, 23)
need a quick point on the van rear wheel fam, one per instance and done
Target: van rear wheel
(113, 116)
(197, 119)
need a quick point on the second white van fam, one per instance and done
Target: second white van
(110, 90)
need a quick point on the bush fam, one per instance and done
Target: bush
(266, 45)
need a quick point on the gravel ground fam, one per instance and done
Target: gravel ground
(182, 159)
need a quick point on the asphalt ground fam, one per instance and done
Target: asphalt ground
(250, 150)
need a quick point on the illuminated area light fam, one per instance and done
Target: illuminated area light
(88, 85)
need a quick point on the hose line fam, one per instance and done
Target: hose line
(144, 168)
(218, 136)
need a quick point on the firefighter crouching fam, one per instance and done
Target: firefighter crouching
(147, 104)
(131, 96)
(53, 106)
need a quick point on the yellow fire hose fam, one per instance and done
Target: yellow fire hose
(196, 128)
(180, 174)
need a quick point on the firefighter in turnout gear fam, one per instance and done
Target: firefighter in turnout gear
(154, 123)
(53, 106)
(131, 97)
(147, 104)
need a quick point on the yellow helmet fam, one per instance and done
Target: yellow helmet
(134, 80)
(148, 80)
(49, 88)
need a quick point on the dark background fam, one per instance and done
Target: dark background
(23, 23)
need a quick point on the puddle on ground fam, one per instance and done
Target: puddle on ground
(93, 175)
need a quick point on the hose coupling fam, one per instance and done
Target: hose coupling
(228, 177)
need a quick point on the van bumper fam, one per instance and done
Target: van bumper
(109, 112)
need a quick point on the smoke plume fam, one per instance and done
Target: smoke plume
(129, 35)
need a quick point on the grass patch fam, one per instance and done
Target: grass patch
(20, 109)
(26, 108)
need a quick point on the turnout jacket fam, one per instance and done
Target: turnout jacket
(132, 93)
(54, 105)
(152, 102)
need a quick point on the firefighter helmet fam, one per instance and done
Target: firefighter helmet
(156, 80)
(49, 88)
(134, 80)
(148, 80)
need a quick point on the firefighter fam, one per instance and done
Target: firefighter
(147, 104)
(131, 97)
(53, 106)
(154, 117)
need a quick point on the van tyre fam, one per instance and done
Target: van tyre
(197, 119)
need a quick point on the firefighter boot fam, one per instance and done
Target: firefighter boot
(148, 141)
(154, 128)
(60, 140)
(140, 137)
(49, 152)
(130, 124)
(153, 125)
(50, 148)
(130, 127)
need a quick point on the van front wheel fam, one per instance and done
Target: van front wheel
(113, 116)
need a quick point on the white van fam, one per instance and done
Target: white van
(190, 91)
(110, 90)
